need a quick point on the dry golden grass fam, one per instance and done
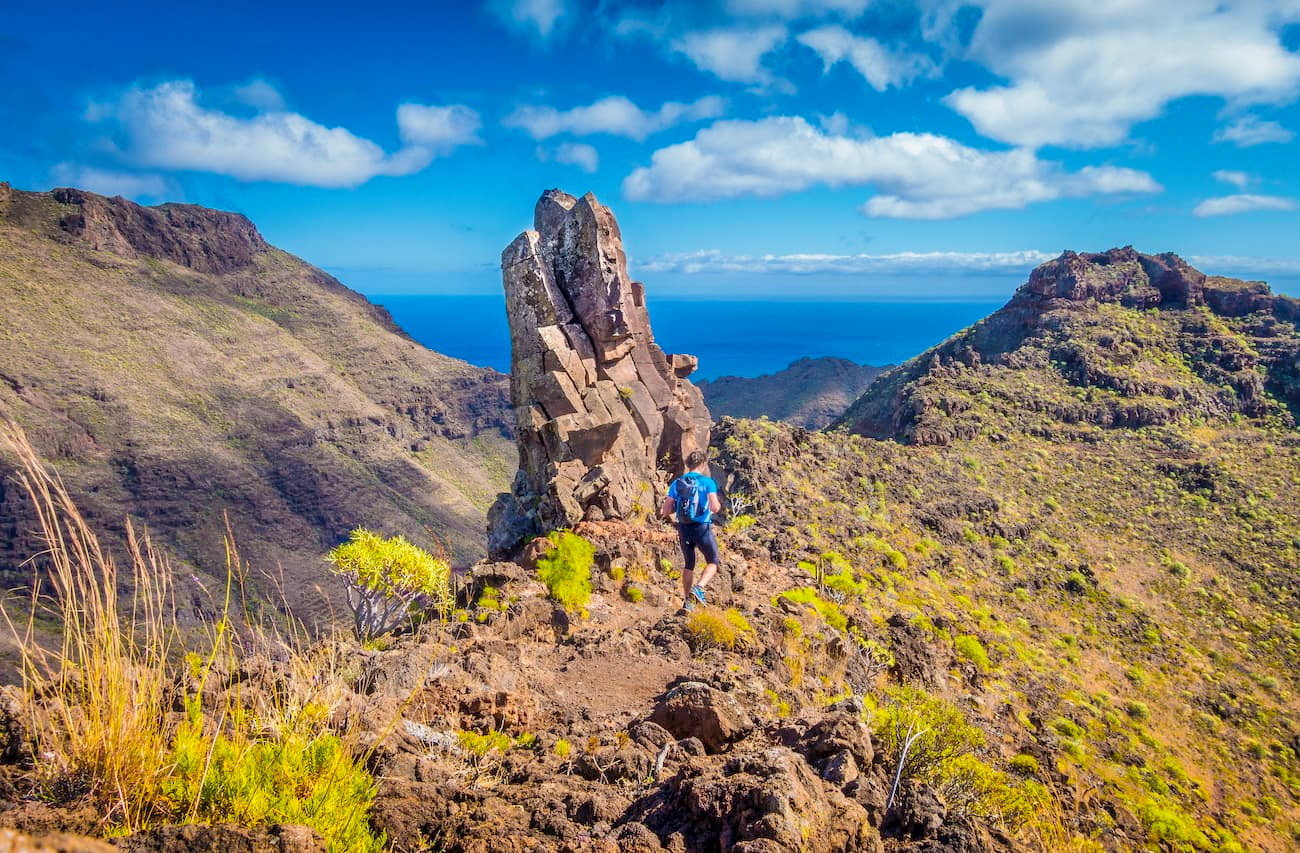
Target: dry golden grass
(96, 704)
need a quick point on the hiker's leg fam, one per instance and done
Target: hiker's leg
(687, 543)
(709, 547)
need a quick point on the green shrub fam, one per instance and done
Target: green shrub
(969, 647)
(944, 732)
(710, 627)
(1168, 825)
(829, 611)
(566, 569)
(1025, 765)
(740, 522)
(235, 778)
(385, 577)
(1137, 710)
(1066, 728)
(633, 593)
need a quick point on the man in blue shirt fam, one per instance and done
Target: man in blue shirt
(694, 498)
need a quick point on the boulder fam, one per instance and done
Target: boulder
(693, 709)
(759, 801)
(599, 406)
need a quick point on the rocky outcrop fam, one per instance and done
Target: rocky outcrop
(599, 406)
(1078, 315)
(207, 241)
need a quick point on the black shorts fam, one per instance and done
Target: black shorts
(697, 535)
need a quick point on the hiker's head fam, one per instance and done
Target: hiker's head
(696, 459)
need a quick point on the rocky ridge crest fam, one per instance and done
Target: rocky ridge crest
(1109, 339)
(599, 406)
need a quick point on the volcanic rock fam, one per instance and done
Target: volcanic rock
(599, 406)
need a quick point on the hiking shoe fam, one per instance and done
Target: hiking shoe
(697, 592)
(686, 608)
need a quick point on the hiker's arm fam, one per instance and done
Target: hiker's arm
(668, 507)
(715, 505)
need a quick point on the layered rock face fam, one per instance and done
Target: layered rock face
(600, 408)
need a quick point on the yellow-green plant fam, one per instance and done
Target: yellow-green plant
(384, 578)
(566, 569)
(97, 706)
(298, 777)
(712, 627)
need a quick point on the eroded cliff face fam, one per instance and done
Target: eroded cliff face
(600, 408)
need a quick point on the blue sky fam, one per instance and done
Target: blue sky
(839, 148)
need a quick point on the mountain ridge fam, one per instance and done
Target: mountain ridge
(173, 365)
(1080, 322)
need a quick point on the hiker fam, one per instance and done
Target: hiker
(694, 497)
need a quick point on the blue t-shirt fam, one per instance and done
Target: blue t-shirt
(710, 488)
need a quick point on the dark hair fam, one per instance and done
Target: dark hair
(695, 459)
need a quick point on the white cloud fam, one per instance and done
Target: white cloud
(441, 129)
(1240, 180)
(880, 66)
(797, 8)
(979, 263)
(1241, 203)
(1237, 265)
(585, 157)
(260, 95)
(1250, 130)
(133, 185)
(916, 175)
(614, 115)
(732, 54)
(529, 16)
(1083, 72)
(166, 128)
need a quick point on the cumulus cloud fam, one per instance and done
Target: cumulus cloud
(977, 263)
(530, 16)
(733, 54)
(166, 128)
(614, 115)
(585, 157)
(1240, 180)
(798, 8)
(1242, 266)
(880, 66)
(916, 175)
(260, 95)
(1242, 203)
(1083, 72)
(1250, 130)
(110, 182)
(440, 129)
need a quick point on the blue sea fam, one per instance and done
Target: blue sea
(730, 337)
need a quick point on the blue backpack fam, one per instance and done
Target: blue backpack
(692, 500)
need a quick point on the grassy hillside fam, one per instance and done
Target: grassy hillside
(1092, 533)
(174, 368)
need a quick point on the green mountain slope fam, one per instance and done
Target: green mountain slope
(1088, 539)
(174, 367)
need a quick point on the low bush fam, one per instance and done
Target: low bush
(829, 611)
(713, 628)
(566, 569)
(385, 578)
(969, 647)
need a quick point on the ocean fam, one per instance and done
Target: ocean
(730, 337)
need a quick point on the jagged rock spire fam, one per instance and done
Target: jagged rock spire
(600, 408)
